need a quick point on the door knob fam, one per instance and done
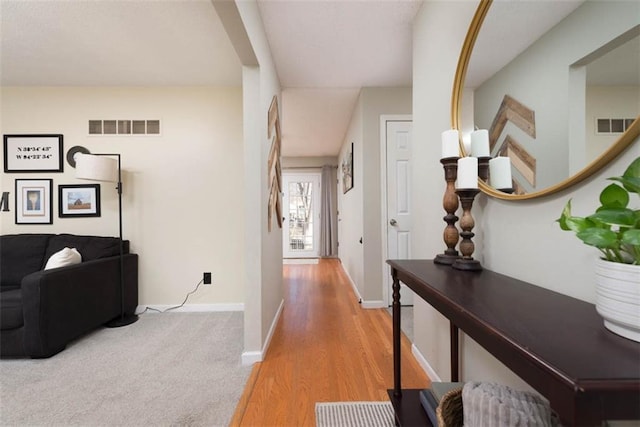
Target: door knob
(393, 222)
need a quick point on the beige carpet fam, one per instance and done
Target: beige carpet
(165, 369)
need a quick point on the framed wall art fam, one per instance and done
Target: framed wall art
(347, 170)
(274, 168)
(33, 201)
(78, 200)
(33, 153)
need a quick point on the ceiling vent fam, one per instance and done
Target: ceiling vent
(607, 126)
(124, 127)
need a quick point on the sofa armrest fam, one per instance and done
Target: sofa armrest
(63, 303)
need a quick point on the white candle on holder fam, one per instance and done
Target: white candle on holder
(450, 144)
(500, 172)
(480, 143)
(467, 172)
(466, 142)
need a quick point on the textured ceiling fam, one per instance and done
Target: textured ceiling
(324, 52)
(627, 69)
(115, 43)
(340, 43)
(315, 120)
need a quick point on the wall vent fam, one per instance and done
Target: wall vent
(608, 126)
(124, 127)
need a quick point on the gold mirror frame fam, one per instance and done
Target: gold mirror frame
(618, 147)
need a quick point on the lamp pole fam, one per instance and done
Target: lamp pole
(104, 174)
(123, 320)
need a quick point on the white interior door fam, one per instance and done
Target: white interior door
(301, 226)
(398, 147)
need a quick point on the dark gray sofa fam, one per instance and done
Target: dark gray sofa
(41, 311)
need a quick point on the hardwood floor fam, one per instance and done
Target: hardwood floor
(325, 348)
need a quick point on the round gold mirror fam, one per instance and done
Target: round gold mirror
(556, 84)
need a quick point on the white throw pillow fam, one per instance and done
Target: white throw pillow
(64, 257)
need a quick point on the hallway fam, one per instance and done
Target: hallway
(325, 348)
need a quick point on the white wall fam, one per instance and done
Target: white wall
(180, 211)
(541, 253)
(608, 102)
(434, 66)
(364, 131)
(263, 267)
(350, 206)
(376, 101)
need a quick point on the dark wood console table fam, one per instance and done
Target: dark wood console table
(555, 343)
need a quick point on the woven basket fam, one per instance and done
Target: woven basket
(449, 411)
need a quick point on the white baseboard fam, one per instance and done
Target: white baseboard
(194, 308)
(374, 304)
(424, 364)
(251, 357)
(272, 329)
(363, 303)
(353, 284)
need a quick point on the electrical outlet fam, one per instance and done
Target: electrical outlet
(206, 278)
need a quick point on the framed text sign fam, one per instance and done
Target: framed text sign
(33, 153)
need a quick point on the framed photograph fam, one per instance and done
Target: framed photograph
(78, 200)
(33, 153)
(347, 171)
(33, 201)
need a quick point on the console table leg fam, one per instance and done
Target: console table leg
(397, 381)
(455, 360)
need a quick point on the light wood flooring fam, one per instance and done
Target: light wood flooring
(326, 348)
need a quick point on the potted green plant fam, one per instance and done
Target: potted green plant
(614, 228)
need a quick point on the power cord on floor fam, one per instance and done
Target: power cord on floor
(177, 306)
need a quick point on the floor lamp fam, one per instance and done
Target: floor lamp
(103, 167)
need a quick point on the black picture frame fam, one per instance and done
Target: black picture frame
(33, 153)
(79, 201)
(347, 171)
(34, 201)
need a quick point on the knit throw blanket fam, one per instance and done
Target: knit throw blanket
(496, 405)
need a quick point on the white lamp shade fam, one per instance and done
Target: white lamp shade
(96, 168)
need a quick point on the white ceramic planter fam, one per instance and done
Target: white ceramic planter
(618, 297)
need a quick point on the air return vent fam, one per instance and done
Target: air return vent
(124, 127)
(607, 126)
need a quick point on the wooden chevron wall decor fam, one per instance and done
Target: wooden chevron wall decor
(524, 162)
(274, 169)
(518, 188)
(511, 110)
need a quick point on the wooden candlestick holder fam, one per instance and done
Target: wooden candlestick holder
(467, 223)
(483, 168)
(450, 204)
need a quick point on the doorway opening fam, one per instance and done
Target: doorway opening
(301, 225)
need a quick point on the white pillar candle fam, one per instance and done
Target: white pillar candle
(450, 144)
(480, 143)
(467, 172)
(500, 172)
(466, 142)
